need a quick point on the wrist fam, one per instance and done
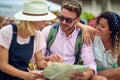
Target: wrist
(26, 76)
(41, 59)
(41, 63)
(81, 26)
(47, 58)
(90, 73)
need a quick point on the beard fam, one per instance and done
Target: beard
(66, 28)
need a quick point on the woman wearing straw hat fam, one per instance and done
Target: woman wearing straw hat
(18, 42)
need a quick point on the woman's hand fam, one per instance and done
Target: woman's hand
(86, 36)
(85, 33)
(41, 64)
(34, 76)
(40, 61)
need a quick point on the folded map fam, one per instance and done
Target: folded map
(61, 71)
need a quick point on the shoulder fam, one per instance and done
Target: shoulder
(47, 28)
(39, 41)
(6, 30)
(39, 37)
(45, 31)
(38, 33)
(6, 36)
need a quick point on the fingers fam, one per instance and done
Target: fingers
(40, 79)
(47, 58)
(78, 76)
(60, 58)
(49, 63)
(36, 76)
(86, 39)
(56, 58)
(74, 77)
(42, 64)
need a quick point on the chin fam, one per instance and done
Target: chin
(98, 34)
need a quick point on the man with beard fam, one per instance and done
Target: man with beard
(63, 48)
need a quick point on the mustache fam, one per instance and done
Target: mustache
(65, 25)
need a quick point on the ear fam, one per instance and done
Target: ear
(78, 19)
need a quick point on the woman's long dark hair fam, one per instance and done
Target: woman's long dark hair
(114, 26)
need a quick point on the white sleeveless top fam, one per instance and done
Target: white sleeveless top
(103, 58)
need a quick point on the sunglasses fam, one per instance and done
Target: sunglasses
(68, 20)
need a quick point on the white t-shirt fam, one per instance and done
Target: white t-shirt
(6, 37)
(104, 59)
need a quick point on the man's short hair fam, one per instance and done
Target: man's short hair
(73, 6)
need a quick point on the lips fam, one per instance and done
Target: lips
(64, 25)
(98, 31)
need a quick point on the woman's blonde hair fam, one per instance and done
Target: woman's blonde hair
(26, 27)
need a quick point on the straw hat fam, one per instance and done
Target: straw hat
(35, 10)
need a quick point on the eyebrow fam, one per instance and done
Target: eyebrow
(68, 17)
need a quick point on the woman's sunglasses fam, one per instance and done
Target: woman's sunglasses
(68, 20)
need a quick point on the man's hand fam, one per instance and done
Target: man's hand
(82, 75)
(55, 58)
(78, 76)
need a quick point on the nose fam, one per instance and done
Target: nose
(98, 27)
(64, 21)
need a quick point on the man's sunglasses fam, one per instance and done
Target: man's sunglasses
(68, 20)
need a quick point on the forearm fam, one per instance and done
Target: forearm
(87, 28)
(111, 73)
(8, 69)
(40, 61)
(81, 26)
(118, 62)
(41, 64)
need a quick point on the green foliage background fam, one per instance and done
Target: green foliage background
(87, 16)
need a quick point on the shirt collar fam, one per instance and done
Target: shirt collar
(74, 32)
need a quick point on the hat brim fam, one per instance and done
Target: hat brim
(21, 16)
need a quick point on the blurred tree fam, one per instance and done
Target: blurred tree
(87, 16)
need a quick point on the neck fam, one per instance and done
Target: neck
(106, 38)
(23, 34)
(107, 42)
(68, 32)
